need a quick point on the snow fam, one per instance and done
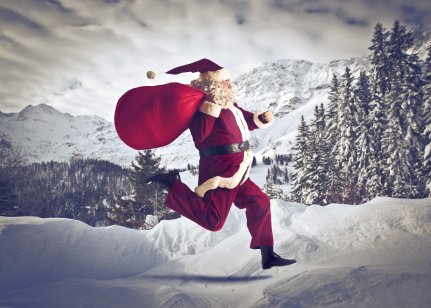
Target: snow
(373, 255)
(46, 134)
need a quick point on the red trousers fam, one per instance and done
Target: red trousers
(211, 211)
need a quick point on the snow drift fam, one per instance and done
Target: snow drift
(372, 255)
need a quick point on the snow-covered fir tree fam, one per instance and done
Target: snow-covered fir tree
(413, 108)
(345, 159)
(427, 117)
(148, 196)
(334, 193)
(271, 189)
(378, 120)
(379, 60)
(326, 145)
(317, 157)
(300, 177)
(402, 140)
(364, 144)
(380, 85)
(397, 58)
(278, 175)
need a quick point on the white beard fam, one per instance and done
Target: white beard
(216, 93)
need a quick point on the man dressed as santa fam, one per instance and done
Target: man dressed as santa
(221, 133)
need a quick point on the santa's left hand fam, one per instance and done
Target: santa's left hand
(266, 117)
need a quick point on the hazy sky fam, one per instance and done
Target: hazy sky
(80, 56)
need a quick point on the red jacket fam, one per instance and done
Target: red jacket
(213, 125)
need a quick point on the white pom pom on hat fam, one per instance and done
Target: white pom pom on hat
(151, 75)
(209, 71)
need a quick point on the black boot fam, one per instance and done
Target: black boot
(165, 179)
(270, 258)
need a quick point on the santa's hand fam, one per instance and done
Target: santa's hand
(266, 117)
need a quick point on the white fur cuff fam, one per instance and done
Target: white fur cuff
(210, 109)
(258, 122)
(220, 75)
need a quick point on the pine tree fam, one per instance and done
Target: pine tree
(393, 143)
(317, 162)
(267, 160)
(379, 60)
(286, 176)
(399, 42)
(334, 193)
(403, 140)
(150, 197)
(380, 80)
(300, 177)
(345, 160)
(427, 117)
(377, 162)
(413, 108)
(364, 143)
(271, 189)
(325, 146)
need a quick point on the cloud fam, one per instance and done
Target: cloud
(80, 56)
(58, 6)
(414, 15)
(340, 14)
(11, 17)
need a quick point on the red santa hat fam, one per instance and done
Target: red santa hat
(209, 71)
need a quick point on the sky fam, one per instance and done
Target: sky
(81, 56)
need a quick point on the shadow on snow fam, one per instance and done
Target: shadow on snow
(202, 278)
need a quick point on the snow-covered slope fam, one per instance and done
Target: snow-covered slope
(287, 87)
(422, 39)
(372, 255)
(45, 134)
(284, 85)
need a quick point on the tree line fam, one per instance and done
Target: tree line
(374, 139)
(81, 189)
(97, 192)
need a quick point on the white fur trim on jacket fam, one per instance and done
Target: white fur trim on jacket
(239, 177)
(240, 121)
(258, 122)
(210, 109)
(220, 75)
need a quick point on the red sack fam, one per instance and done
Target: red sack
(153, 116)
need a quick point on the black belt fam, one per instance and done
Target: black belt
(225, 149)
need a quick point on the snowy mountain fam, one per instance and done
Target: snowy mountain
(422, 39)
(45, 134)
(287, 87)
(372, 255)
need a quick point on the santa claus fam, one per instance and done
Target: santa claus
(221, 132)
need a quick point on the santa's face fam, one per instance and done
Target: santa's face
(227, 87)
(219, 93)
